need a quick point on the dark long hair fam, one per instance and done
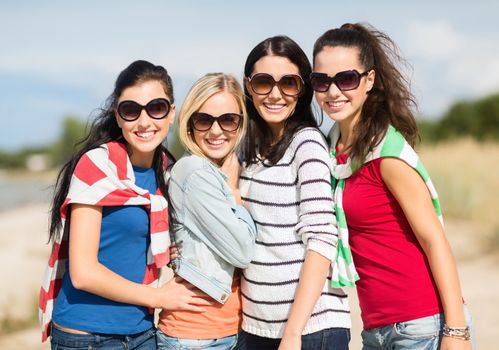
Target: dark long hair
(390, 101)
(104, 128)
(259, 137)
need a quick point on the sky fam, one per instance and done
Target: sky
(60, 58)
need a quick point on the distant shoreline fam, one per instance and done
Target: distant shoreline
(20, 188)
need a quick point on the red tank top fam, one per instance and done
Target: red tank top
(395, 279)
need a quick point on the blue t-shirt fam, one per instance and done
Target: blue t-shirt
(124, 241)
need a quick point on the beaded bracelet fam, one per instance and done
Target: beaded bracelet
(462, 333)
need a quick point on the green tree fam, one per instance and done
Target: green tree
(73, 131)
(460, 120)
(488, 121)
(478, 119)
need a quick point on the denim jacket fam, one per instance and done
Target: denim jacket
(213, 234)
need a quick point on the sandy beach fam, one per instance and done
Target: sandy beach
(23, 254)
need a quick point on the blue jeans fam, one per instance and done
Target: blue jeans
(420, 334)
(165, 342)
(61, 340)
(331, 338)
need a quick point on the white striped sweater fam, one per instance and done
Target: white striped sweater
(291, 204)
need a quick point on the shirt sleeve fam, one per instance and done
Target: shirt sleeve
(317, 221)
(213, 216)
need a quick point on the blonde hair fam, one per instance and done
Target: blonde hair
(207, 86)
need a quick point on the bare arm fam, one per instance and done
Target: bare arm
(414, 198)
(313, 274)
(88, 274)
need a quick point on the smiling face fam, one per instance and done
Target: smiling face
(275, 107)
(144, 134)
(344, 107)
(216, 143)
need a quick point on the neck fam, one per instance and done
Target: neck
(346, 133)
(277, 132)
(142, 160)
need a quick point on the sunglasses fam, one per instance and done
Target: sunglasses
(157, 109)
(204, 121)
(346, 80)
(263, 83)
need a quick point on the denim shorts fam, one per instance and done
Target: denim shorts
(165, 342)
(423, 334)
(331, 338)
(61, 340)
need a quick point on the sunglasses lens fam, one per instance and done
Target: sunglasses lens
(319, 82)
(347, 80)
(262, 84)
(202, 121)
(158, 108)
(290, 85)
(229, 121)
(129, 110)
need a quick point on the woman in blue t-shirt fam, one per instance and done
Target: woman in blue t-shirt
(109, 224)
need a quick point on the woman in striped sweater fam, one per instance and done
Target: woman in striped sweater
(288, 301)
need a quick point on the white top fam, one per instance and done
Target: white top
(291, 204)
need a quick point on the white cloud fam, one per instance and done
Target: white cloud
(434, 40)
(451, 64)
(476, 69)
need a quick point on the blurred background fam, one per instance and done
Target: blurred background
(59, 60)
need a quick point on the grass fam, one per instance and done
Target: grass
(466, 175)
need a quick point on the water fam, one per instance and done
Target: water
(15, 192)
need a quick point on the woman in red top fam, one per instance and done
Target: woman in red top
(409, 289)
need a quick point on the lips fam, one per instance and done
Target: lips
(145, 135)
(336, 105)
(274, 108)
(215, 142)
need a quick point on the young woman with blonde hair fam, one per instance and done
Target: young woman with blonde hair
(214, 234)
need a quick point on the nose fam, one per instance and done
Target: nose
(275, 93)
(215, 128)
(334, 90)
(144, 119)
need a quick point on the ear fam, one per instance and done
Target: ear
(248, 88)
(173, 109)
(119, 121)
(371, 76)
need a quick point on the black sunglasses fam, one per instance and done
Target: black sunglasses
(346, 80)
(263, 83)
(157, 109)
(204, 121)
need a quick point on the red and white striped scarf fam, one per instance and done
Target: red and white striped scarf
(104, 177)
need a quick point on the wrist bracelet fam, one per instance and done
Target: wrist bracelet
(462, 333)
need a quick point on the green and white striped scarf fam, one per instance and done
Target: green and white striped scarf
(393, 145)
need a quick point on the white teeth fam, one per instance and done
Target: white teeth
(215, 142)
(145, 135)
(275, 107)
(337, 103)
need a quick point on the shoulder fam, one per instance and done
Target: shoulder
(308, 137)
(393, 169)
(91, 160)
(309, 143)
(191, 167)
(189, 162)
